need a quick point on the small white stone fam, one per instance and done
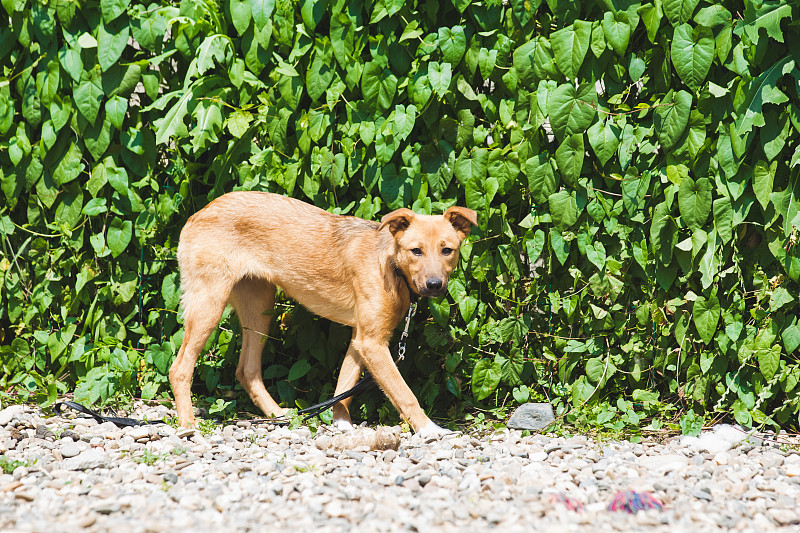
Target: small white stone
(784, 517)
(8, 414)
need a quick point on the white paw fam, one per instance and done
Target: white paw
(343, 425)
(432, 430)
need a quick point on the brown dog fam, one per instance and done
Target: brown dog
(243, 245)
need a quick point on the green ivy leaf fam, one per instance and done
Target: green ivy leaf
(534, 61)
(563, 209)
(504, 167)
(208, 123)
(480, 193)
(779, 298)
(404, 118)
(342, 35)
(117, 176)
(559, 245)
(240, 15)
(597, 369)
(570, 45)
(571, 110)
(542, 180)
(679, 11)
(299, 369)
(524, 10)
(262, 12)
(320, 73)
(440, 310)
(791, 338)
(472, 165)
(70, 165)
(378, 86)
(149, 29)
(111, 42)
(453, 43)
(706, 314)
(172, 123)
(617, 29)
(694, 201)
(95, 206)
(723, 219)
(596, 253)
(485, 378)
(111, 9)
(487, 59)
(116, 107)
(604, 139)
(569, 158)
(119, 235)
(763, 180)
(312, 12)
(769, 361)
(692, 52)
(535, 245)
(672, 117)
(88, 94)
(440, 77)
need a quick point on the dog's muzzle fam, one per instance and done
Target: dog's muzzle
(433, 287)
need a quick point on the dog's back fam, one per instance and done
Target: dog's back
(307, 252)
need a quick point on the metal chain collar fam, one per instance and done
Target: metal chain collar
(401, 344)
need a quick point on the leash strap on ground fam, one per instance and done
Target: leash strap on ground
(119, 421)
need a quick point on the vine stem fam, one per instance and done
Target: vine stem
(632, 111)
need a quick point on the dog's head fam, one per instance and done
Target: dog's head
(426, 246)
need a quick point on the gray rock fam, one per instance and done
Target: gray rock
(43, 432)
(88, 460)
(532, 416)
(701, 494)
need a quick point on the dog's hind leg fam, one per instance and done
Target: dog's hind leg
(202, 311)
(348, 377)
(253, 299)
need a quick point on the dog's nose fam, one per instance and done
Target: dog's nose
(434, 284)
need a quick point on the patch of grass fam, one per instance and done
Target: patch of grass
(150, 458)
(206, 426)
(9, 465)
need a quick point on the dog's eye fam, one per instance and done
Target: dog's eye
(416, 251)
(447, 251)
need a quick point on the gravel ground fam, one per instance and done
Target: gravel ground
(84, 476)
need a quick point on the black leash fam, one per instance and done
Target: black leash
(119, 421)
(310, 412)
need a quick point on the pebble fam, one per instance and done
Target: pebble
(246, 476)
(71, 449)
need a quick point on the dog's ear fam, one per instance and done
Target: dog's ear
(398, 220)
(462, 219)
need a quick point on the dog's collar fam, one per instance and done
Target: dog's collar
(411, 294)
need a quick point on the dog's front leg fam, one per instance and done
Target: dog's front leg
(348, 377)
(378, 360)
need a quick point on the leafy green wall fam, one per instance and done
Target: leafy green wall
(633, 164)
